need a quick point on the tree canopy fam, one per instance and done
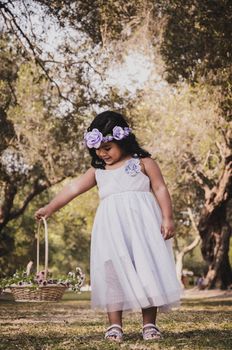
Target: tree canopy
(49, 93)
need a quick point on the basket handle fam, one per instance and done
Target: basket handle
(46, 246)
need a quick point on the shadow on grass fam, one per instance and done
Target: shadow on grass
(54, 341)
(201, 338)
(196, 339)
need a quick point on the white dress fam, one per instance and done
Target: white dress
(132, 266)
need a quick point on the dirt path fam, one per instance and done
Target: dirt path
(195, 293)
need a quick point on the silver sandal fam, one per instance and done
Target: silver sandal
(114, 333)
(151, 332)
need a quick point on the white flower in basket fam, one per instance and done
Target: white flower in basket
(41, 287)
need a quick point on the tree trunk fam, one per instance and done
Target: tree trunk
(214, 227)
(215, 233)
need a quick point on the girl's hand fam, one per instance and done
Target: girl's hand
(42, 212)
(167, 228)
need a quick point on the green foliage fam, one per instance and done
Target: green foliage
(197, 44)
(20, 277)
(35, 121)
(184, 131)
(74, 280)
(181, 127)
(102, 21)
(39, 146)
(21, 233)
(197, 48)
(70, 232)
(194, 262)
(83, 16)
(207, 24)
(10, 61)
(69, 235)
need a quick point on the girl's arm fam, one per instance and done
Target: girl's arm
(161, 193)
(70, 191)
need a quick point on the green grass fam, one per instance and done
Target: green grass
(71, 324)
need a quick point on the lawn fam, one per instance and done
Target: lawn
(71, 324)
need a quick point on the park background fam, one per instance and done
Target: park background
(166, 65)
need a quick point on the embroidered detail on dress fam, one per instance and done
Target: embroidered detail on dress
(133, 167)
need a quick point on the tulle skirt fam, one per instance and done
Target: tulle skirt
(132, 266)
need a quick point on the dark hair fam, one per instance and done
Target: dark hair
(105, 122)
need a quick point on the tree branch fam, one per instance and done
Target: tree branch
(36, 190)
(10, 191)
(38, 60)
(221, 192)
(196, 241)
(12, 91)
(202, 181)
(70, 64)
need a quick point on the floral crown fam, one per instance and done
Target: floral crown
(94, 137)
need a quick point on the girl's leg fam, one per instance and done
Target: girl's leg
(149, 315)
(150, 330)
(114, 333)
(115, 317)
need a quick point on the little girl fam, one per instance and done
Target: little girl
(132, 263)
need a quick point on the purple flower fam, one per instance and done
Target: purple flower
(93, 138)
(133, 167)
(118, 133)
(127, 131)
(107, 138)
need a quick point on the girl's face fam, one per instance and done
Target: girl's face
(110, 152)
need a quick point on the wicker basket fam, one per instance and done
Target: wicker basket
(26, 293)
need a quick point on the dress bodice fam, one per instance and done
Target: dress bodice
(126, 178)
